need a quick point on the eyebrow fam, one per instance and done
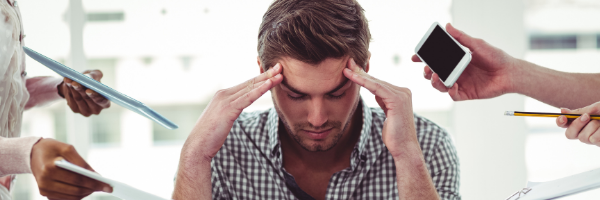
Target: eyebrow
(284, 82)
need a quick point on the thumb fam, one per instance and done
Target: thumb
(461, 36)
(95, 74)
(381, 104)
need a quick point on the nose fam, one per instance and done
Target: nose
(317, 116)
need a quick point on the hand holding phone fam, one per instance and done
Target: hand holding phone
(444, 55)
(489, 74)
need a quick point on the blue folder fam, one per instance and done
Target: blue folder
(109, 93)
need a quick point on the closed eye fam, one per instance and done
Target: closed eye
(332, 96)
(296, 97)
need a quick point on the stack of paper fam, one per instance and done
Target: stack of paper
(559, 188)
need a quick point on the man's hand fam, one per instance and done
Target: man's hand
(582, 128)
(488, 75)
(211, 130)
(83, 100)
(58, 183)
(399, 134)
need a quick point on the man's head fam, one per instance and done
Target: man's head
(313, 30)
(313, 41)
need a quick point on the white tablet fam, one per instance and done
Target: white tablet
(443, 54)
(109, 93)
(120, 190)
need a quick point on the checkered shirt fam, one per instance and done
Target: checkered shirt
(249, 164)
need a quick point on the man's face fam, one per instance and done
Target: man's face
(315, 102)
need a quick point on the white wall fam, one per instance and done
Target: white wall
(490, 146)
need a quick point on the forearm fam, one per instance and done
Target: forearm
(412, 175)
(15, 155)
(42, 90)
(559, 89)
(193, 177)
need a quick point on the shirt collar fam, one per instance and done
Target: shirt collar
(357, 155)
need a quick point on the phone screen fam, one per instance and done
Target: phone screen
(441, 53)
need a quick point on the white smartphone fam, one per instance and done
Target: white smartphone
(443, 54)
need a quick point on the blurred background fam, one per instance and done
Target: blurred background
(173, 55)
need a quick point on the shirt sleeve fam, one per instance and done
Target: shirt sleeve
(42, 90)
(15, 155)
(445, 171)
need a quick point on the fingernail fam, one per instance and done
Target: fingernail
(107, 189)
(561, 119)
(585, 117)
(69, 84)
(89, 94)
(348, 70)
(76, 87)
(352, 61)
(276, 67)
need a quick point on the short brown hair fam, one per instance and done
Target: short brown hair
(314, 30)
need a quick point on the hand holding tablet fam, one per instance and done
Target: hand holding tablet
(120, 190)
(109, 93)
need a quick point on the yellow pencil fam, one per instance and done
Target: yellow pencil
(538, 114)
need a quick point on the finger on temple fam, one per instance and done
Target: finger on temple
(249, 87)
(353, 66)
(575, 127)
(273, 71)
(376, 88)
(248, 98)
(437, 83)
(415, 58)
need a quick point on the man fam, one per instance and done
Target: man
(320, 141)
(492, 73)
(17, 93)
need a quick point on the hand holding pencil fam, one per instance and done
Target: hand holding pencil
(584, 128)
(582, 123)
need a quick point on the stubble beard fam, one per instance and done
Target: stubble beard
(293, 133)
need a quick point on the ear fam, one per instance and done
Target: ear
(259, 64)
(368, 62)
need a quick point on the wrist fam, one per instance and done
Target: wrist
(409, 152)
(520, 72)
(59, 91)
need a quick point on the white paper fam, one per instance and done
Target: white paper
(120, 190)
(561, 187)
